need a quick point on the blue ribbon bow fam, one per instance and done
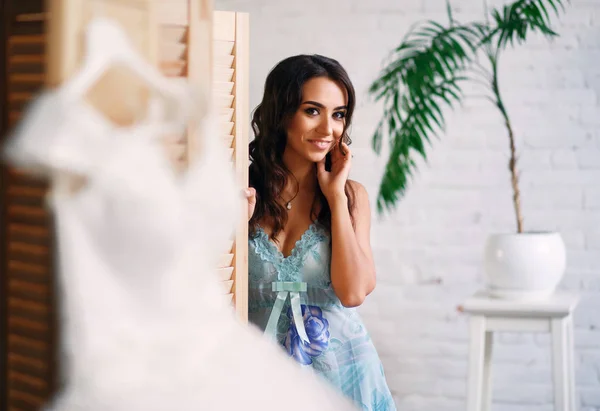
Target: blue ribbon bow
(283, 288)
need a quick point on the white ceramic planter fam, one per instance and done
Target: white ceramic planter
(524, 266)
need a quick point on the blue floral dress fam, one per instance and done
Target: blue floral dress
(323, 335)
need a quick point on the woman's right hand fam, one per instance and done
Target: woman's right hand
(250, 194)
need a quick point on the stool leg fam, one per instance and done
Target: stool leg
(487, 372)
(560, 365)
(478, 388)
(571, 363)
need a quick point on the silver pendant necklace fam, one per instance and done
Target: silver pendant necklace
(288, 205)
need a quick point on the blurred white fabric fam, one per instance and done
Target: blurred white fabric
(144, 323)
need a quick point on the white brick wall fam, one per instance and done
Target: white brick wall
(552, 92)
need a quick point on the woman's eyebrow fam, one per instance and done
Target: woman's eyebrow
(314, 103)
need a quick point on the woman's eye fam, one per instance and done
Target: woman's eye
(311, 111)
(339, 115)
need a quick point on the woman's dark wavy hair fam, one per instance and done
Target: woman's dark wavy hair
(282, 98)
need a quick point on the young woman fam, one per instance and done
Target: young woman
(310, 259)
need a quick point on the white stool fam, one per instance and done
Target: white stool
(550, 315)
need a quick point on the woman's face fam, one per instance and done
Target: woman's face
(319, 122)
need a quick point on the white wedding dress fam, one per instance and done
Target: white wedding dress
(144, 325)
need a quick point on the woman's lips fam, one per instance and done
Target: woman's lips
(320, 144)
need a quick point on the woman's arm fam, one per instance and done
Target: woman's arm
(352, 266)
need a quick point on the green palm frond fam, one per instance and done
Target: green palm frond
(420, 117)
(514, 21)
(424, 74)
(421, 79)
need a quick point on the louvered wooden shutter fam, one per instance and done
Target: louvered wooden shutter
(231, 98)
(181, 33)
(27, 294)
(28, 350)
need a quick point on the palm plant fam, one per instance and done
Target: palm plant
(424, 75)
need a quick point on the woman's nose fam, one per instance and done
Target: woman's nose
(325, 126)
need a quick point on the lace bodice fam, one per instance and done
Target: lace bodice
(312, 246)
(308, 262)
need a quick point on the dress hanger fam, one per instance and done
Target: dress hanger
(107, 45)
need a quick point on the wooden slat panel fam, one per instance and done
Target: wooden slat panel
(17, 230)
(171, 51)
(223, 100)
(224, 87)
(28, 381)
(19, 97)
(223, 61)
(25, 326)
(24, 59)
(174, 68)
(34, 270)
(20, 344)
(174, 33)
(18, 211)
(228, 286)
(31, 307)
(33, 250)
(223, 48)
(225, 273)
(31, 17)
(25, 363)
(226, 127)
(39, 292)
(26, 243)
(226, 114)
(228, 140)
(28, 79)
(38, 193)
(225, 260)
(26, 39)
(24, 399)
(223, 75)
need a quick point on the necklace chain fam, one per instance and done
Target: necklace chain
(289, 203)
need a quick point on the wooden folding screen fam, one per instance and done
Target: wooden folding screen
(230, 69)
(38, 53)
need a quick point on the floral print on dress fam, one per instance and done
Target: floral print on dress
(317, 330)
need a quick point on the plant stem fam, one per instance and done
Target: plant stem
(449, 11)
(512, 164)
